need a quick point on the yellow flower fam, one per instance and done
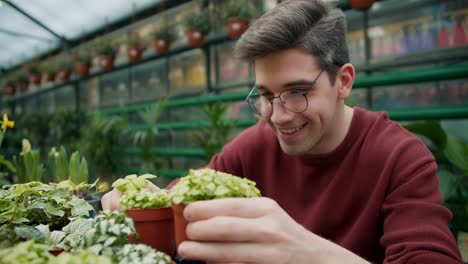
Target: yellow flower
(7, 123)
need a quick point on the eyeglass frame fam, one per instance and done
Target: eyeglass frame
(303, 93)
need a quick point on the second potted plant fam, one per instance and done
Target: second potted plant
(197, 25)
(150, 211)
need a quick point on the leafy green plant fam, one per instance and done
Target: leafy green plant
(136, 194)
(64, 62)
(208, 184)
(451, 154)
(239, 9)
(51, 66)
(28, 165)
(107, 46)
(83, 257)
(83, 56)
(12, 235)
(35, 203)
(33, 67)
(58, 161)
(27, 252)
(65, 127)
(213, 137)
(145, 137)
(108, 232)
(164, 33)
(197, 20)
(141, 253)
(102, 142)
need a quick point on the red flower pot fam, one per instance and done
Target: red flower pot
(35, 79)
(161, 46)
(134, 54)
(361, 4)
(180, 223)
(82, 69)
(49, 76)
(57, 252)
(195, 38)
(9, 90)
(155, 228)
(106, 62)
(64, 75)
(21, 86)
(237, 27)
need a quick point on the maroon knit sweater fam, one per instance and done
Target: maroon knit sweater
(376, 194)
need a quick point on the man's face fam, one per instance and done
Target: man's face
(298, 133)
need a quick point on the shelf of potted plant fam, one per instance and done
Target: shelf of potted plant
(49, 70)
(197, 25)
(83, 61)
(107, 49)
(65, 66)
(237, 15)
(34, 72)
(135, 47)
(162, 39)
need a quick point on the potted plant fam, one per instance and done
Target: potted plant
(34, 72)
(28, 164)
(49, 69)
(21, 81)
(83, 61)
(162, 39)
(107, 49)
(140, 253)
(135, 47)
(9, 84)
(205, 184)
(237, 15)
(65, 66)
(150, 211)
(197, 25)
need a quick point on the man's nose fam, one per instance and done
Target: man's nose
(279, 113)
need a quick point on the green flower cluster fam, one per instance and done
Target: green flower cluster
(136, 194)
(208, 184)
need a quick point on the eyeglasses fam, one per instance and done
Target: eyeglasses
(293, 100)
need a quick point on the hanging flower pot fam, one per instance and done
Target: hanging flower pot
(361, 4)
(195, 38)
(155, 228)
(161, 46)
(21, 86)
(64, 75)
(134, 54)
(49, 76)
(9, 90)
(237, 27)
(106, 62)
(35, 79)
(82, 69)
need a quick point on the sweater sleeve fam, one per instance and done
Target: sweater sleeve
(415, 224)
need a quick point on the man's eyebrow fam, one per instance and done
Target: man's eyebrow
(287, 85)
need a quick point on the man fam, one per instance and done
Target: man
(344, 185)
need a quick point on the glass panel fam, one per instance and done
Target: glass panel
(89, 94)
(114, 88)
(187, 72)
(149, 81)
(65, 98)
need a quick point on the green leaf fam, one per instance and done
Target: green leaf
(431, 130)
(54, 210)
(446, 182)
(29, 232)
(457, 153)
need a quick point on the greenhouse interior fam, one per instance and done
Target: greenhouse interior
(131, 129)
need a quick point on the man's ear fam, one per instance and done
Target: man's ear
(345, 78)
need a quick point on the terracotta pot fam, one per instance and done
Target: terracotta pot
(180, 223)
(49, 76)
(35, 79)
(64, 75)
(195, 38)
(57, 252)
(9, 90)
(237, 27)
(361, 4)
(21, 86)
(106, 62)
(82, 69)
(134, 54)
(161, 46)
(155, 228)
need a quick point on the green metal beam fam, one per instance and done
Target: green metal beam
(170, 152)
(383, 79)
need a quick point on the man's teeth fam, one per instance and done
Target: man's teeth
(291, 131)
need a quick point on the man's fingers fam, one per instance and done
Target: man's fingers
(226, 252)
(237, 207)
(153, 187)
(229, 229)
(111, 200)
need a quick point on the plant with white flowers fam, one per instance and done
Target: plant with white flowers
(141, 253)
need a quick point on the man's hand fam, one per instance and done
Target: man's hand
(253, 230)
(111, 200)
